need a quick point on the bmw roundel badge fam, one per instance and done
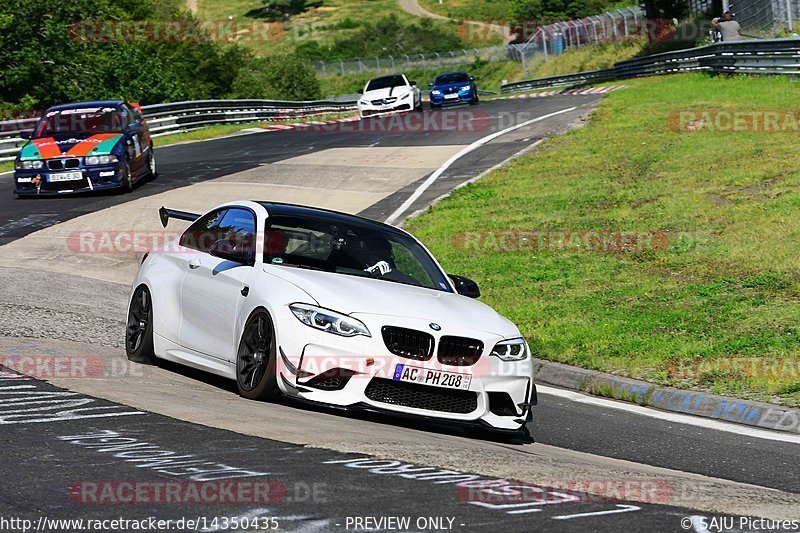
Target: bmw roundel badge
(434, 326)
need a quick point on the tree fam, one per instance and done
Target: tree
(284, 77)
(46, 59)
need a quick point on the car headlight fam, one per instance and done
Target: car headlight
(29, 165)
(436, 91)
(364, 102)
(405, 96)
(466, 88)
(511, 350)
(330, 321)
(101, 159)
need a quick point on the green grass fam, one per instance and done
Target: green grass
(607, 391)
(488, 76)
(726, 286)
(589, 58)
(488, 9)
(5, 166)
(335, 19)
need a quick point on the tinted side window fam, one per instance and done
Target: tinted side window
(203, 232)
(238, 228)
(132, 115)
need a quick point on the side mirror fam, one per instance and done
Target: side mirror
(27, 135)
(430, 84)
(135, 126)
(472, 78)
(361, 91)
(224, 249)
(465, 286)
(413, 83)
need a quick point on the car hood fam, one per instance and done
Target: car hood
(70, 145)
(356, 295)
(449, 86)
(387, 92)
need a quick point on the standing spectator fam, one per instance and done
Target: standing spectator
(728, 28)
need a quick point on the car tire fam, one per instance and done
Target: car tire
(256, 373)
(152, 172)
(139, 328)
(127, 186)
(474, 100)
(418, 106)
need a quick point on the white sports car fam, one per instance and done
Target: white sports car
(387, 94)
(329, 308)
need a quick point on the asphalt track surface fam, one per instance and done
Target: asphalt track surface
(42, 468)
(70, 469)
(185, 164)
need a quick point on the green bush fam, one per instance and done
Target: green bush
(388, 36)
(286, 77)
(43, 63)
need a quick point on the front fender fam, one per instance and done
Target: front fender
(272, 294)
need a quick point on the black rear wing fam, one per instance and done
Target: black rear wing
(165, 214)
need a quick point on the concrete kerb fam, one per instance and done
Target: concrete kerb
(688, 402)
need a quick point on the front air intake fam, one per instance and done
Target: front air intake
(408, 343)
(459, 351)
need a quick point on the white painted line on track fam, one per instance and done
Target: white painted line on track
(666, 416)
(620, 509)
(479, 176)
(467, 149)
(6, 173)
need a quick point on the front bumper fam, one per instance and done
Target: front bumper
(41, 183)
(368, 110)
(462, 97)
(359, 373)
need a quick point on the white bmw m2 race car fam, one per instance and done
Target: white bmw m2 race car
(329, 308)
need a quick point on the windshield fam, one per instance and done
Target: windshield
(385, 82)
(453, 77)
(351, 249)
(81, 120)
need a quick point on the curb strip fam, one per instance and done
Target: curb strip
(688, 402)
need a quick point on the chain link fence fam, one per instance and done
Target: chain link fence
(541, 42)
(554, 39)
(764, 18)
(767, 18)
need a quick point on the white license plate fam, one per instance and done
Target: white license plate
(65, 176)
(451, 96)
(436, 378)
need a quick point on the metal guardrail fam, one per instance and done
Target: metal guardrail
(178, 117)
(763, 56)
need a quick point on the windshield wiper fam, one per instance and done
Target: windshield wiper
(297, 265)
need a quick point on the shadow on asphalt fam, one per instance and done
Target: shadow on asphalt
(520, 438)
